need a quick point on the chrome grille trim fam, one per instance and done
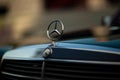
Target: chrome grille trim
(86, 61)
(16, 75)
(19, 58)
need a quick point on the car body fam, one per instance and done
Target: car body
(70, 59)
(79, 59)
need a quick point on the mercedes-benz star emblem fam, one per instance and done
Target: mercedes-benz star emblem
(55, 30)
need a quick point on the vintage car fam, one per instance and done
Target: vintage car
(76, 59)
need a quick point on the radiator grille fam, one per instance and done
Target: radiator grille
(80, 71)
(21, 69)
(58, 70)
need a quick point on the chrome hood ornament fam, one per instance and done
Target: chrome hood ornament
(55, 30)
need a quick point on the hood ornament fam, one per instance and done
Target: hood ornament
(55, 31)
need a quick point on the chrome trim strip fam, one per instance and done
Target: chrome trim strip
(64, 60)
(18, 58)
(16, 75)
(43, 70)
(85, 49)
(86, 61)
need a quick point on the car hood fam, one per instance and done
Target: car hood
(92, 41)
(70, 50)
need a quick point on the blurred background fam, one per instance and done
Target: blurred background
(24, 22)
